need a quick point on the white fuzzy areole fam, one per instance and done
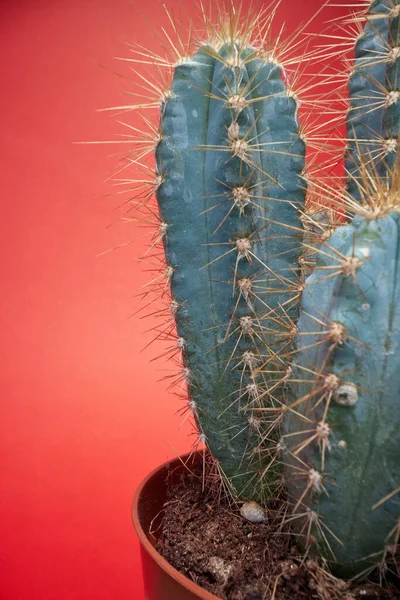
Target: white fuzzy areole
(346, 395)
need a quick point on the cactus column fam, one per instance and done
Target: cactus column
(343, 427)
(373, 119)
(229, 164)
(342, 423)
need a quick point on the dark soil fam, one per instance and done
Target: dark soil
(213, 545)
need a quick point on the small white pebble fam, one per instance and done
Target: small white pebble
(220, 569)
(253, 512)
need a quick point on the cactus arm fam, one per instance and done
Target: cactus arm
(358, 463)
(392, 108)
(199, 168)
(370, 121)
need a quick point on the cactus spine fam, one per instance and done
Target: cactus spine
(229, 162)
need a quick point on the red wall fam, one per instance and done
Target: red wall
(82, 415)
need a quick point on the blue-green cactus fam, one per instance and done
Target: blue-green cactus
(343, 427)
(230, 160)
(229, 185)
(392, 104)
(342, 424)
(374, 90)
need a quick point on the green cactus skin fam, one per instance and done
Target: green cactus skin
(373, 119)
(200, 174)
(354, 429)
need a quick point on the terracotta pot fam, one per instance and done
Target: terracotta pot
(161, 580)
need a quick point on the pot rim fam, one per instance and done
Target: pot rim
(145, 543)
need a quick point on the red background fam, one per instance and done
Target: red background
(83, 417)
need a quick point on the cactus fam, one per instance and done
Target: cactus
(373, 118)
(229, 161)
(342, 437)
(342, 429)
(229, 184)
